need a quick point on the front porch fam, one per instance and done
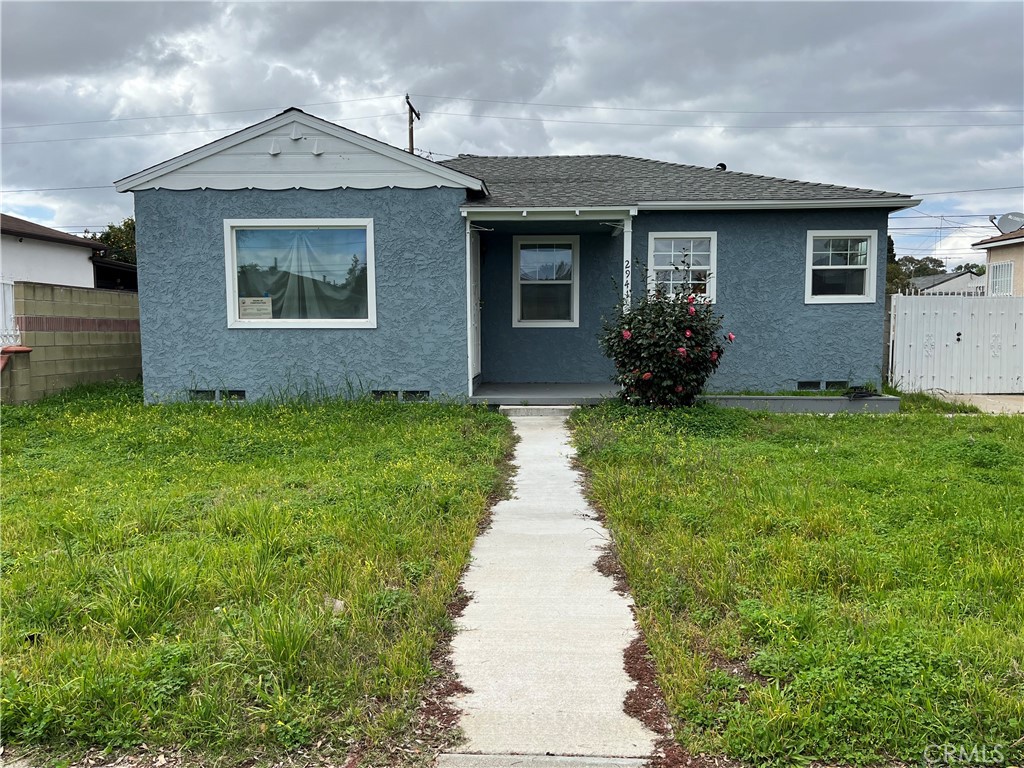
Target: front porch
(543, 393)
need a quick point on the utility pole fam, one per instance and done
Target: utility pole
(412, 113)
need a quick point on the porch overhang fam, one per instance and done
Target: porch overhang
(581, 213)
(894, 203)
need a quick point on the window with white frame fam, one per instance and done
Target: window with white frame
(545, 282)
(300, 273)
(841, 267)
(1000, 279)
(682, 263)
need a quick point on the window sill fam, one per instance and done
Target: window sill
(545, 324)
(839, 300)
(301, 324)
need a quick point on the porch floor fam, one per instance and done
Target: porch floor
(584, 393)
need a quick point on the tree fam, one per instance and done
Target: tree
(899, 271)
(119, 239)
(978, 269)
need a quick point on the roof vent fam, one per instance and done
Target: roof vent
(720, 166)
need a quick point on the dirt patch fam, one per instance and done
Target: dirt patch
(645, 701)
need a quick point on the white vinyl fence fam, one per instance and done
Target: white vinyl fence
(958, 344)
(9, 333)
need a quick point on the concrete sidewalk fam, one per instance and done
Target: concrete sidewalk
(541, 643)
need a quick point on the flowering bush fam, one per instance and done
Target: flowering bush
(664, 348)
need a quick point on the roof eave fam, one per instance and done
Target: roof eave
(985, 245)
(892, 203)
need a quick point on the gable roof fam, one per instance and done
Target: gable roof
(12, 225)
(296, 149)
(618, 180)
(926, 282)
(1005, 238)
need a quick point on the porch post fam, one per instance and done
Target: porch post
(627, 261)
(469, 306)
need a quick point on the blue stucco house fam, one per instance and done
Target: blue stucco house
(298, 255)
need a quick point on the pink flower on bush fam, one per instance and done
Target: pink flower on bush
(627, 335)
(647, 376)
(714, 356)
(691, 298)
(679, 388)
(688, 333)
(731, 337)
(682, 351)
(693, 310)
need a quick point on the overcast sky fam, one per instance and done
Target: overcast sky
(93, 92)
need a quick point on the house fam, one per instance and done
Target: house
(1004, 263)
(59, 325)
(297, 254)
(966, 283)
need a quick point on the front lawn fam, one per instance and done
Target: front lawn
(229, 578)
(843, 589)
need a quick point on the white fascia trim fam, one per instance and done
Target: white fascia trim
(1012, 241)
(144, 178)
(726, 205)
(231, 273)
(511, 214)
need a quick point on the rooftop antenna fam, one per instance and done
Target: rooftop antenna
(412, 113)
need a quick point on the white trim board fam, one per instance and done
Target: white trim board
(725, 205)
(296, 150)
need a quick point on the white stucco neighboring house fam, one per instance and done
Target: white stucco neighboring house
(1004, 263)
(30, 252)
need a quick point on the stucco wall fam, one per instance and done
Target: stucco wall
(760, 293)
(420, 339)
(547, 354)
(29, 260)
(1014, 254)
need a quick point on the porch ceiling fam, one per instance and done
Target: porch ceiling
(549, 226)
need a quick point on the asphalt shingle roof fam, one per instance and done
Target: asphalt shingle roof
(12, 225)
(618, 180)
(997, 239)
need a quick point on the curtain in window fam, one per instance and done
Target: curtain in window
(307, 274)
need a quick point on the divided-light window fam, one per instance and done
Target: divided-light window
(300, 273)
(545, 282)
(1000, 279)
(682, 263)
(840, 267)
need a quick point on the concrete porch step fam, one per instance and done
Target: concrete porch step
(562, 411)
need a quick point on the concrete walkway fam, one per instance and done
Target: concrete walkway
(991, 403)
(541, 643)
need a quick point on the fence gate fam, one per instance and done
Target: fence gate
(958, 344)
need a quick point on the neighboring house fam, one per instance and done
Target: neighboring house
(1004, 263)
(297, 255)
(37, 254)
(59, 326)
(966, 283)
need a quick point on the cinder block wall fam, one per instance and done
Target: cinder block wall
(75, 335)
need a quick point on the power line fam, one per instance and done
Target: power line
(961, 191)
(758, 127)
(730, 111)
(197, 114)
(171, 133)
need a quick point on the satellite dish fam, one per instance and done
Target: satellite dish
(1010, 222)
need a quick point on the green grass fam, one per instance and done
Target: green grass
(170, 572)
(864, 575)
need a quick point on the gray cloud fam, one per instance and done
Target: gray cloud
(97, 61)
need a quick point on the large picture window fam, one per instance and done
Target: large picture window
(840, 267)
(286, 273)
(545, 282)
(682, 263)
